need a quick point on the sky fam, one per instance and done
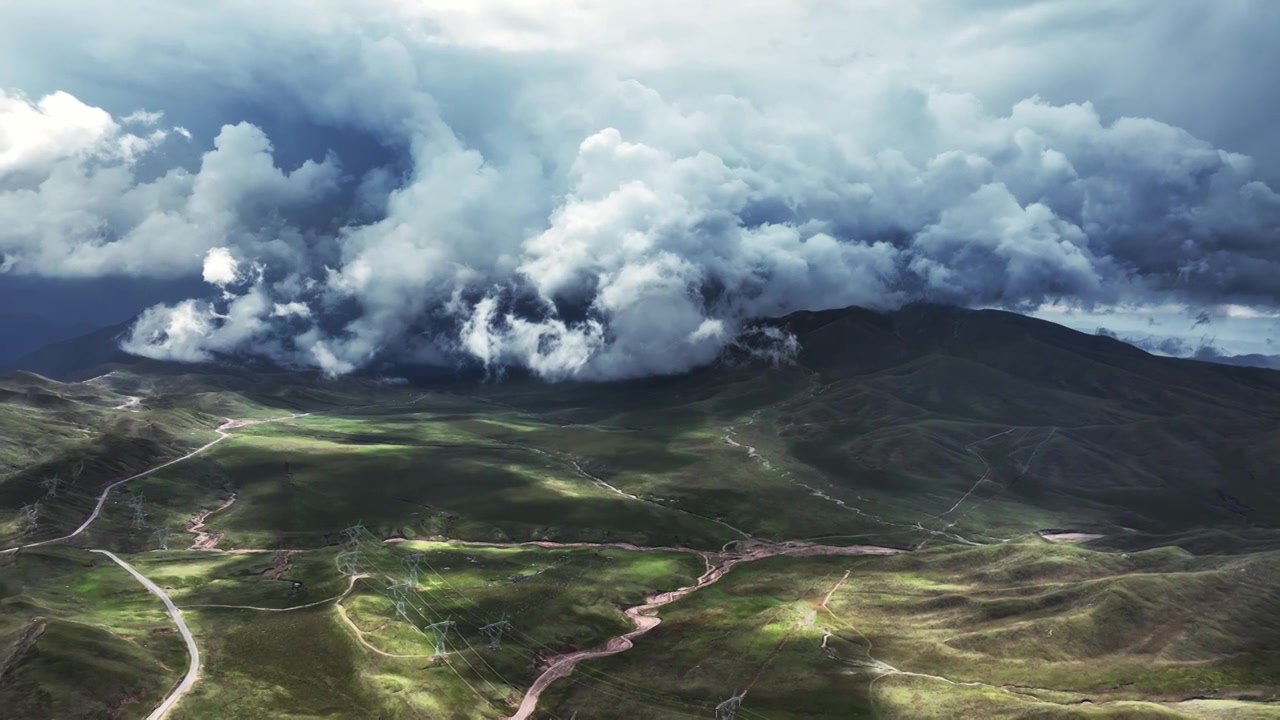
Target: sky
(600, 189)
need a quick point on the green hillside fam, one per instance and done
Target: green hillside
(1085, 530)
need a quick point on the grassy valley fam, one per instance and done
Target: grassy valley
(1077, 530)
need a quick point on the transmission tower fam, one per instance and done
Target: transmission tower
(728, 709)
(412, 564)
(494, 631)
(30, 517)
(50, 485)
(162, 538)
(401, 612)
(441, 630)
(353, 533)
(136, 504)
(400, 599)
(349, 561)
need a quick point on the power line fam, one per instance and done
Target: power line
(412, 592)
(728, 710)
(494, 632)
(136, 504)
(30, 517)
(633, 690)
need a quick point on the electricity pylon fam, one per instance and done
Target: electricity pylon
(412, 564)
(50, 485)
(401, 611)
(400, 589)
(136, 503)
(353, 533)
(728, 709)
(494, 631)
(349, 560)
(162, 538)
(30, 517)
(441, 629)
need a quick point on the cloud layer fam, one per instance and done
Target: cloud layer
(595, 220)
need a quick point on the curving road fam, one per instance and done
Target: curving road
(102, 499)
(644, 617)
(193, 669)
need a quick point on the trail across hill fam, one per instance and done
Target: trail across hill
(644, 616)
(102, 498)
(193, 668)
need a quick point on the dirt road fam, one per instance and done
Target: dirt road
(193, 669)
(644, 616)
(106, 492)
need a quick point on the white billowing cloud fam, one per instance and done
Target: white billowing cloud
(196, 331)
(220, 267)
(291, 309)
(146, 118)
(178, 333)
(35, 134)
(72, 204)
(601, 192)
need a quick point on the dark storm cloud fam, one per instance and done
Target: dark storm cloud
(613, 193)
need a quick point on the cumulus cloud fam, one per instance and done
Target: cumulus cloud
(73, 204)
(36, 134)
(146, 118)
(598, 219)
(220, 267)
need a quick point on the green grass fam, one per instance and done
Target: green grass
(1030, 627)
(270, 665)
(80, 638)
(306, 663)
(555, 599)
(421, 478)
(887, 423)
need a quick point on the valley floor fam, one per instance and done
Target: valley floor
(442, 555)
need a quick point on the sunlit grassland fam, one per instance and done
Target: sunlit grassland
(81, 638)
(453, 466)
(260, 579)
(299, 483)
(1023, 629)
(680, 469)
(309, 663)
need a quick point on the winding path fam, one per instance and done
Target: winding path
(605, 485)
(359, 634)
(644, 617)
(205, 540)
(131, 402)
(193, 669)
(102, 498)
(339, 598)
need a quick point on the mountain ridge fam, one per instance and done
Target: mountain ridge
(871, 338)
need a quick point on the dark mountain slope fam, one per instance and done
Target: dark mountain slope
(1018, 420)
(76, 358)
(1084, 426)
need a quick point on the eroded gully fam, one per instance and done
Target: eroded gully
(644, 617)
